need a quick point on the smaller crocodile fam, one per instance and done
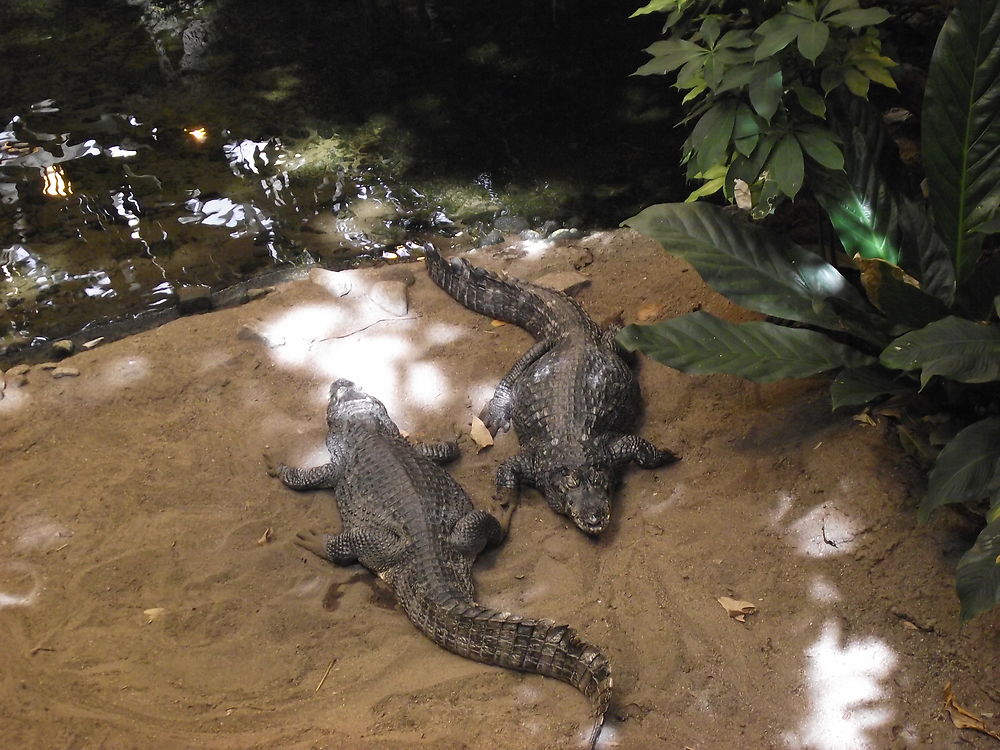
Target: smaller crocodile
(571, 397)
(405, 519)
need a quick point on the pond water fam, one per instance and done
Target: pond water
(146, 146)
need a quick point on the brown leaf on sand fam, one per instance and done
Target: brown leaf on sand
(963, 719)
(736, 608)
(497, 323)
(154, 613)
(480, 434)
(266, 536)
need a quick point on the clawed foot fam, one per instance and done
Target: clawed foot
(502, 507)
(312, 541)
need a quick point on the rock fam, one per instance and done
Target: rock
(336, 283)
(92, 343)
(511, 224)
(252, 333)
(569, 282)
(196, 298)
(530, 235)
(566, 234)
(65, 372)
(583, 258)
(63, 348)
(47, 365)
(18, 371)
(492, 238)
(548, 227)
(391, 296)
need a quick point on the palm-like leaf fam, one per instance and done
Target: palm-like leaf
(961, 127)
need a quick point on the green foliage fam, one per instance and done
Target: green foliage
(918, 319)
(756, 80)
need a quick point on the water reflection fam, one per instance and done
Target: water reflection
(232, 137)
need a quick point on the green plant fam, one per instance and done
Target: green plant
(755, 78)
(917, 320)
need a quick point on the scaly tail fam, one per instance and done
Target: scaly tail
(544, 313)
(506, 640)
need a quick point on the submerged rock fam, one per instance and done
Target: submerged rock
(391, 296)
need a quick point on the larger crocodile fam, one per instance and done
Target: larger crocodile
(571, 397)
(405, 519)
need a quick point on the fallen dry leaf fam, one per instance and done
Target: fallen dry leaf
(864, 418)
(480, 434)
(497, 323)
(963, 719)
(154, 613)
(650, 312)
(736, 608)
(266, 536)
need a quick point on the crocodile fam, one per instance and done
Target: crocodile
(405, 519)
(571, 398)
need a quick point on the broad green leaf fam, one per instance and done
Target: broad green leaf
(820, 145)
(836, 5)
(857, 386)
(974, 296)
(763, 352)
(856, 19)
(786, 165)
(668, 55)
(859, 202)
(747, 130)
(952, 347)
(977, 579)
(765, 89)
(655, 6)
(961, 127)
(754, 268)
(876, 71)
(831, 77)
(709, 187)
(777, 33)
(856, 82)
(812, 40)
(712, 134)
(710, 29)
(966, 468)
(736, 77)
(897, 294)
(748, 168)
(926, 255)
(810, 100)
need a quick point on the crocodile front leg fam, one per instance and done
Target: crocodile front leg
(627, 448)
(304, 479)
(496, 414)
(513, 472)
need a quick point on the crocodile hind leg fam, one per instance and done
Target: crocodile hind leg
(496, 414)
(627, 448)
(377, 549)
(474, 531)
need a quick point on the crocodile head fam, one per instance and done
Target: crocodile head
(349, 404)
(583, 494)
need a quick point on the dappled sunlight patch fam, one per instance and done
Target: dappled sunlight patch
(822, 590)
(846, 684)
(425, 384)
(20, 585)
(293, 335)
(14, 399)
(41, 534)
(824, 532)
(125, 371)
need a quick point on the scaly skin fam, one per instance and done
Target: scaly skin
(405, 519)
(571, 398)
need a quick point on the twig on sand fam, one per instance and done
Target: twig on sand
(364, 328)
(325, 675)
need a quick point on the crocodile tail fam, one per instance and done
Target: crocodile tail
(530, 645)
(542, 312)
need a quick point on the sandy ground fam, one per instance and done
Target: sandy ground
(140, 605)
